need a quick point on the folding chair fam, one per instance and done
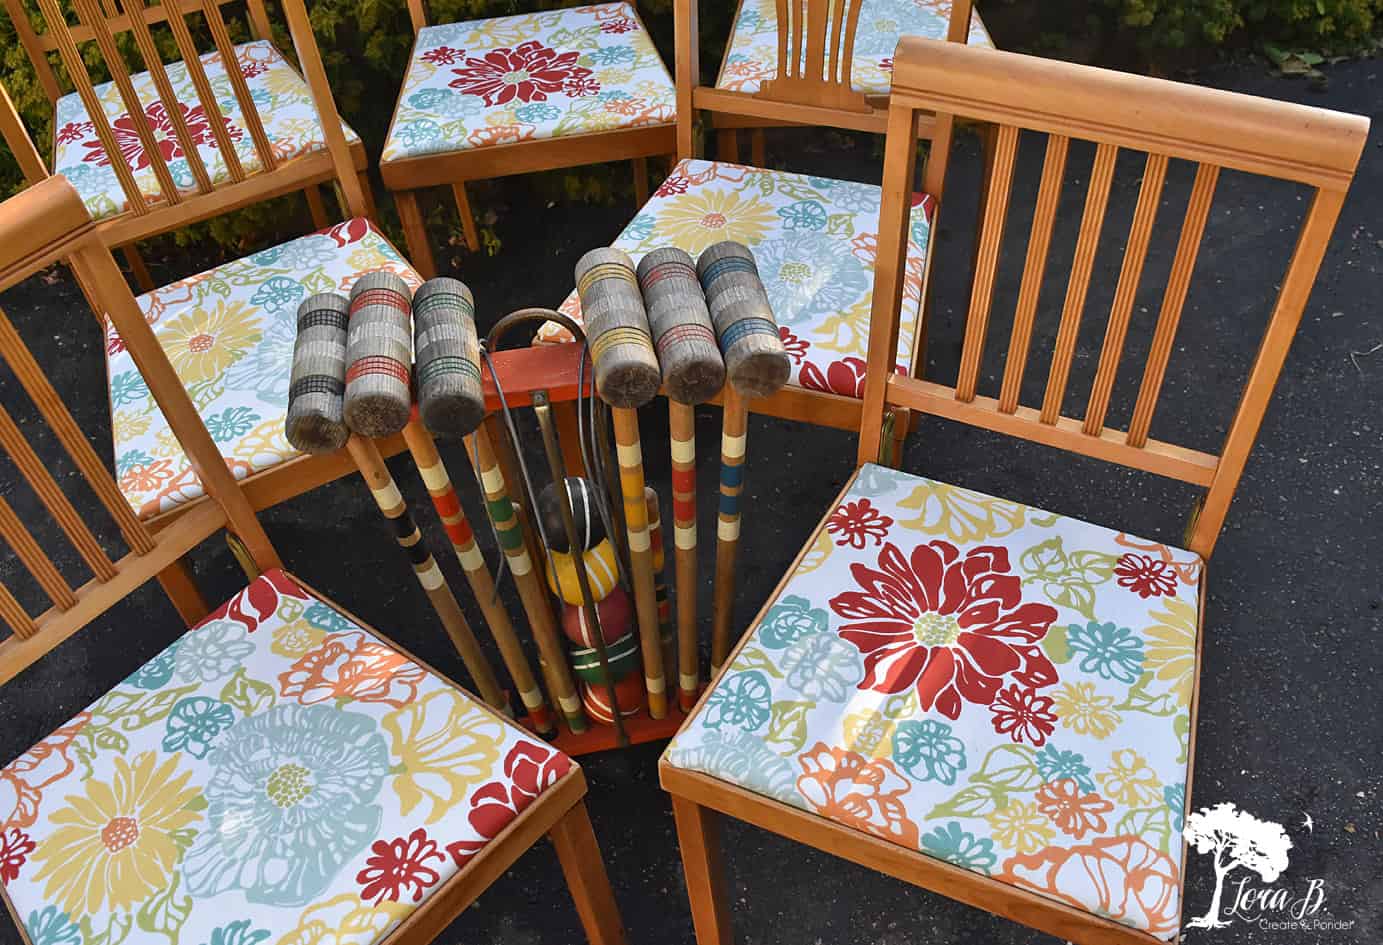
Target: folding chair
(979, 697)
(282, 771)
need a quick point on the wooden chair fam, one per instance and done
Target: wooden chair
(280, 772)
(156, 150)
(523, 93)
(814, 238)
(978, 697)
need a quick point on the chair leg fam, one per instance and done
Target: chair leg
(316, 207)
(640, 180)
(463, 207)
(587, 880)
(698, 835)
(138, 269)
(176, 581)
(728, 145)
(371, 210)
(415, 233)
(758, 148)
(569, 435)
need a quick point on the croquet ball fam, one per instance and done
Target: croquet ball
(596, 700)
(601, 571)
(623, 655)
(590, 529)
(613, 613)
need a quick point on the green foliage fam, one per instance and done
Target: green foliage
(1340, 25)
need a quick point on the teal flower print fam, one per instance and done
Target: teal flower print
(156, 673)
(641, 227)
(1111, 651)
(194, 724)
(427, 100)
(822, 666)
(875, 480)
(278, 294)
(131, 458)
(291, 800)
(325, 618)
(789, 620)
(128, 387)
(613, 55)
(418, 133)
(928, 751)
(266, 369)
(238, 933)
(743, 700)
(1174, 795)
(211, 651)
(803, 215)
(954, 845)
(52, 927)
(537, 112)
(741, 758)
(1057, 765)
(231, 423)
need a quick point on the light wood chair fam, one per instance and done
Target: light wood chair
(814, 238)
(975, 696)
(282, 771)
(519, 94)
(155, 150)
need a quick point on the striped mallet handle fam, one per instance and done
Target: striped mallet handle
(630, 457)
(660, 588)
(510, 533)
(391, 504)
(458, 529)
(735, 423)
(682, 426)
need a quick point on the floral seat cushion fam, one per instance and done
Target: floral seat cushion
(281, 97)
(987, 683)
(536, 75)
(814, 241)
(229, 333)
(752, 55)
(278, 774)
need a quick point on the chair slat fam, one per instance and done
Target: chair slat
(48, 491)
(14, 615)
(195, 71)
(1173, 298)
(231, 63)
(91, 14)
(1135, 254)
(847, 48)
(1092, 221)
(783, 23)
(1039, 239)
(837, 11)
(799, 22)
(258, 14)
(76, 70)
(33, 558)
(33, 46)
(144, 40)
(32, 379)
(818, 14)
(987, 260)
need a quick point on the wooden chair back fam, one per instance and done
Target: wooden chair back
(38, 227)
(816, 48)
(100, 22)
(1163, 120)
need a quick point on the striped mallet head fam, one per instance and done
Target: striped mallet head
(379, 349)
(317, 387)
(446, 349)
(626, 368)
(755, 360)
(683, 335)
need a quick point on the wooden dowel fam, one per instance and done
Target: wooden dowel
(1087, 243)
(735, 424)
(509, 531)
(660, 588)
(34, 46)
(53, 499)
(316, 207)
(192, 61)
(211, 9)
(1173, 298)
(987, 262)
(26, 549)
(1040, 238)
(390, 502)
(630, 454)
(682, 432)
(260, 27)
(148, 50)
(1135, 252)
(19, 622)
(458, 529)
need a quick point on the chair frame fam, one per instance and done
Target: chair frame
(405, 176)
(51, 213)
(1167, 119)
(100, 21)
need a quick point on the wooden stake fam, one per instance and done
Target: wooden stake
(682, 427)
(735, 423)
(626, 423)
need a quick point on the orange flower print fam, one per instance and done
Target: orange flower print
(353, 666)
(1121, 877)
(146, 477)
(22, 781)
(1074, 813)
(862, 794)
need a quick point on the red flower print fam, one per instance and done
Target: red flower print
(886, 64)
(161, 125)
(490, 812)
(795, 347)
(15, 848)
(1023, 715)
(1074, 813)
(1146, 576)
(527, 72)
(857, 522)
(253, 67)
(954, 626)
(73, 131)
(844, 377)
(676, 184)
(351, 231)
(531, 768)
(399, 866)
(114, 344)
(444, 56)
(622, 25)
(581, 86)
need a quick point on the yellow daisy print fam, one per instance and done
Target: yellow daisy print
(1129, 780)
(128, 424)
(696, 220)
(1021, 826)
(115, 846)
(446, 746)
(345, 920)
(1170, 647)
(203, 344)
(1084, 712)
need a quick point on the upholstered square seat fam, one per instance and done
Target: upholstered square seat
(987, 683)
(280, 95)
(536, 75)
(277, 774)
(752, 55)
(814, 241)
(229, 333)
